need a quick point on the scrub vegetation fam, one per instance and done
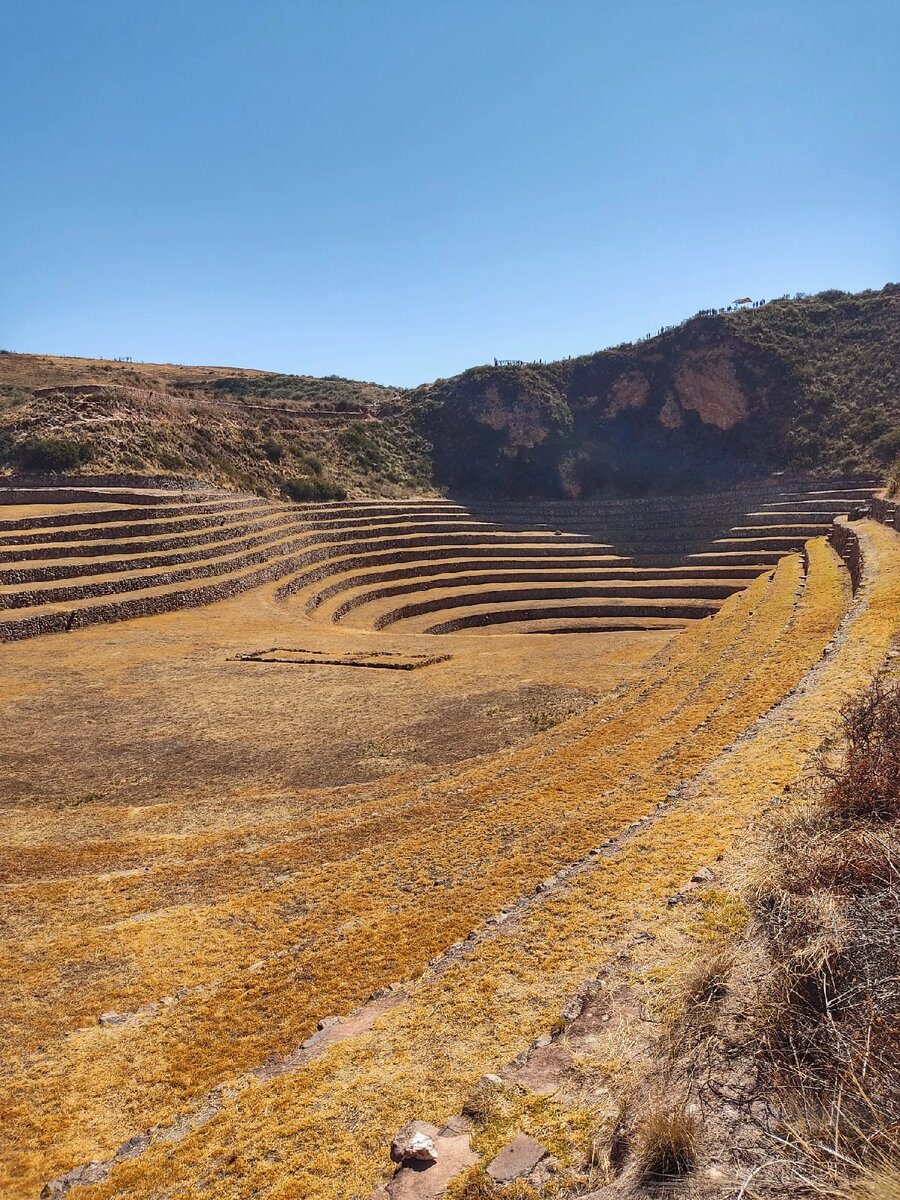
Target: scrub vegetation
(804, 384)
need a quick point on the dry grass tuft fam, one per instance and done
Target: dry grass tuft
(477, 1185)
(484, 1103)
(707, 981)
(667, 1146)
(473, 1185)
(881, 1183)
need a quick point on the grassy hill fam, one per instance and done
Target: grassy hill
(251, 430)
(806, 385)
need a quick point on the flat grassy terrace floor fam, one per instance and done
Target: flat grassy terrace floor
(157, 708)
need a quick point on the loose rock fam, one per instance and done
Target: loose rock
(415, 1143)
(517, 1160)
(112, 1018)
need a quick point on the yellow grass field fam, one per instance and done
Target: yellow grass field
(212, 854)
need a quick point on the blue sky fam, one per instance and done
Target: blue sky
(395, 190)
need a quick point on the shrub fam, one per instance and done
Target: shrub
(363, 441)
(313, 487)
(887, 447)
(273, 450)
(866, 784)
(170, 461)
(10, 395)
(52, 454)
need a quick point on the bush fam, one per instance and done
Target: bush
(707, 981)
(363, 441)
(887, 447)
(170, 461)
(311, 487)
(55, 455)
(867, 783)
(273, 450)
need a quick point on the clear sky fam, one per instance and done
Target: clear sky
(394, 190)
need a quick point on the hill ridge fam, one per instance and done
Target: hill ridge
(809, 385)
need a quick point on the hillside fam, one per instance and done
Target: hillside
(806, 385)
(242, 429)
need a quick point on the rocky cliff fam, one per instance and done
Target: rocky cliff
(808, 384)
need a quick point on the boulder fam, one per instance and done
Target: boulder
(415, 1143)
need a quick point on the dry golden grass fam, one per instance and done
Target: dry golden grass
(880, 1183)
(53, 370)
(667, 1146)
(354, 913)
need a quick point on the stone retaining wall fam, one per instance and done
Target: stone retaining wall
(640, 607)
(846, 543)
(567, 612)
(494, 571)
(78, 618)
(47, 482)
(108, 516)
(486, 593)
(120, 546)
(885, 511)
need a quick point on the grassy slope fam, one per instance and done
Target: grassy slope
(842, 355)
(232, 427)
(809, 385)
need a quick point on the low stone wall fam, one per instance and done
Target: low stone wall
(107, 516)
(570, 612)
(494, 570)
(79, 592)
(123, 610)
(127, 529)
(761, 558)
(524, 585)
(366, 553)
(139, 562)
(50, 481)
(885, 511)
(31, 529)
(120, 546)
(634, 606)
(846, 543)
